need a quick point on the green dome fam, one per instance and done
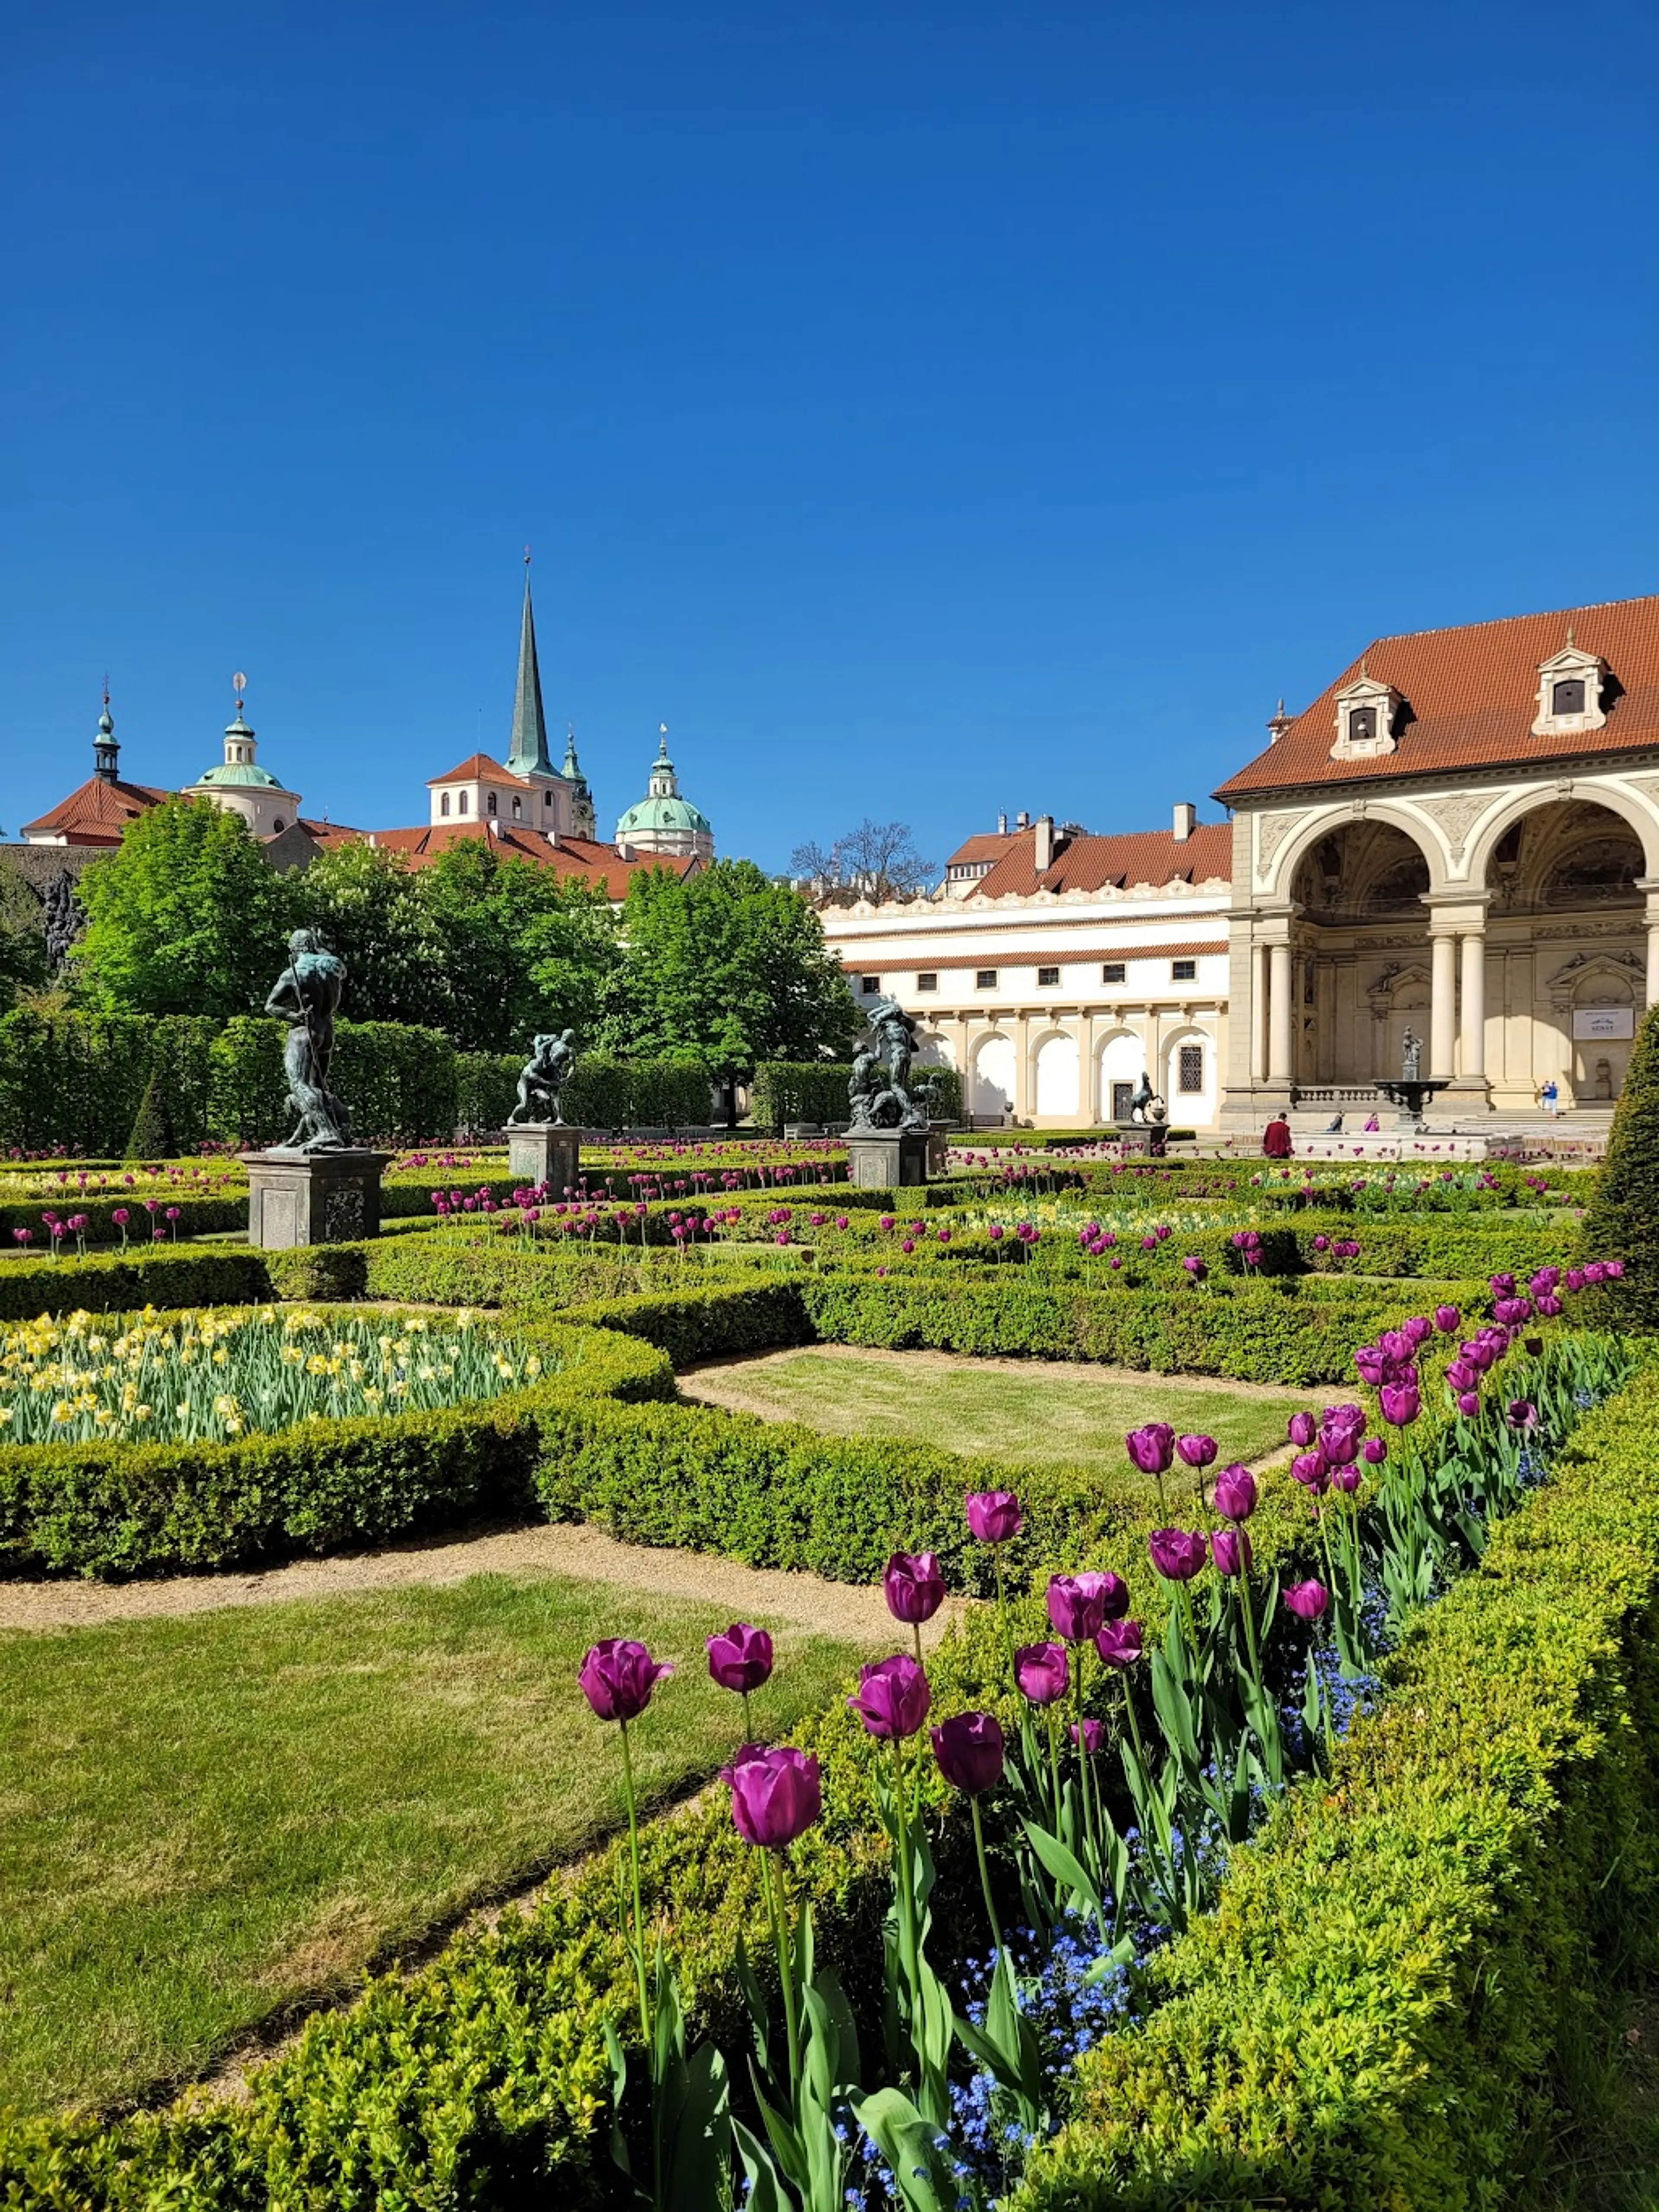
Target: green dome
(243, 773)
(663, 814)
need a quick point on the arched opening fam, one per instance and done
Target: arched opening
(1189, 1076)
(492, 802)
(1361, 888)
(1120, 1061)
(518, 807)
(278, 824)
(1055, 1084)
(992, 1089)
(461, 803)
(1567, 925)
(443, 803)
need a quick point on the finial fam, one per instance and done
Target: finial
(526, 557)
(1569, 633)
(238, 687)
(1281, 706)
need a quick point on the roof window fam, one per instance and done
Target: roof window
(1367, 713)
(1571, 684)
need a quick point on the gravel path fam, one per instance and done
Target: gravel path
(842, 1610)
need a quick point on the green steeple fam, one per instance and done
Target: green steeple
(528, 754)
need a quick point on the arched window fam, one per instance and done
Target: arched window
(547, 799)
(518, 807)
(279, 823)
(492, 802)
(461, 807)
(443, 803)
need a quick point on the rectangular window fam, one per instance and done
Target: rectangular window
(984, 979)
(869, 985)
(1183, 971)
(1047, 976)
(927, 980)
(1190, 1068)
(1115, 971)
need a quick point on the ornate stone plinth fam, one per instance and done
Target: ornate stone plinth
(1149, 1137)
(886, 1159)
(313, 1198)
(1411, 1094)
(545, 1154)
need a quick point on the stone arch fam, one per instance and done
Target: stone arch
(1324, 820)
(1055, 1075)
(1119, 1056)
(1400, 997)
(992, 1071)
(1635, 816)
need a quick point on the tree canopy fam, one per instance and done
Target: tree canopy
(728, 969)
(184, 917)
(878, 861)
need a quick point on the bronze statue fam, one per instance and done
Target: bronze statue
(1141, 1097)
(878, 1092)
(1411, 1057)
(306, 996)
(551, 1066)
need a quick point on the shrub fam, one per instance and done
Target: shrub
(1623, 1220)
(79, 1080)
(152, 1128)
(815, 1091)
(1369, 2016)
(486, 1087)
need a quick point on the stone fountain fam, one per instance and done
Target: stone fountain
(1410, 1091)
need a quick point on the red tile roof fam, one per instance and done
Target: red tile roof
(96, 813)
(1089, 864)
(989, 845)
(572, 856)
(480, 769)
(1472, 697)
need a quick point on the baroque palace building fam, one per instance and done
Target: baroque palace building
(1460, 836)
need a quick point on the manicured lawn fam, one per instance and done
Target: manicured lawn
(1029, 1410)
(203, 1819)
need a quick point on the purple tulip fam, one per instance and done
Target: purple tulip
(1088, 1736)
(1575, 1279)
(1521, 1413)
(969, 1750)
(1195, 1266)
(1613, 1270)
(1231, 1550)
(1468, 1403)
(1374, 1450)
(893, 1696)
(1312, 1470)
(1043, 1671)
(1501, 1284)
(1401, 1404)
(993, 1516)
(1307, 1600)
(914, 1586)
(1078, 1604)
(1446, 1319)
(1341, 1445)
(1235, 1492)
(1119, 1644)
(1301, 1429)
(1197, 1452)
(617, 1678)
(1177, 1554)
(739, 1657)
(775, 1795)
(1151, 1447)
(1549, 1307)
(1511, 1312)
(1417, 1327)
(1322, 1243)
(1461, 1375)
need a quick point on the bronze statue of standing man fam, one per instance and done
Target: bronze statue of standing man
(306, 996)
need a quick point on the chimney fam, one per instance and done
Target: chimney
(1022, 820)
(1186, 820)
(1043, 852)
(1002, 825)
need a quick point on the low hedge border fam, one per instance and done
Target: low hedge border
(1369, 2016)
(115, 1509)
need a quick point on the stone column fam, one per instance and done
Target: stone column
(1650, 886)
(1472, 1015)
(1279, 1012)
(1443, 1012)
(1256, 1012)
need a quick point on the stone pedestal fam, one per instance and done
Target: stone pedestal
(938, 1148)
(1148, 1137)
(545, 1154)
(313, 1198)
(886, 1159)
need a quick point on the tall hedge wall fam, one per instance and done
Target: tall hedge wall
(815, 1091)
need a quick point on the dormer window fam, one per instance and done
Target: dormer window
(1366, 715)
(1570, 690)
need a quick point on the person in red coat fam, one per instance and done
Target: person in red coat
(1276, 1139)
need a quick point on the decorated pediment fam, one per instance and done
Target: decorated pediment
(1570, 686)
(1367, 712)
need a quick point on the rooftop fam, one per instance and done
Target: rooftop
(1156, 857)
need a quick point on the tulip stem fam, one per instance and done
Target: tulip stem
(747, 1726)
(778, 1914)
(985, 1884)
(1002, 1614)
(1054, 1765)
(639, 1909)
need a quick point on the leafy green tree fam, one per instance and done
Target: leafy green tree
(524, 948)
(22, 940)
(728, 969)
(372, 908)
(187, 916)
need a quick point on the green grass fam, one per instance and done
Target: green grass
(207, 1821)
(1047, 1412)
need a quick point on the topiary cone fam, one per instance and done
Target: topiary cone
(1622, 1222)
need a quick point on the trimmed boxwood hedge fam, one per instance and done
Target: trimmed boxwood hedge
(1369, 2016)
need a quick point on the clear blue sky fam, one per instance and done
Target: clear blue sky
(923, 409)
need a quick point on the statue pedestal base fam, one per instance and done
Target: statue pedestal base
(545, 1154)
(886, 1159)
(313, 1198)
(1149, 1137)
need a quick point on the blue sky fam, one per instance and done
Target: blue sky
(924, 410)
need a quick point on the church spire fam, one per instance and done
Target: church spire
(528, 754)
